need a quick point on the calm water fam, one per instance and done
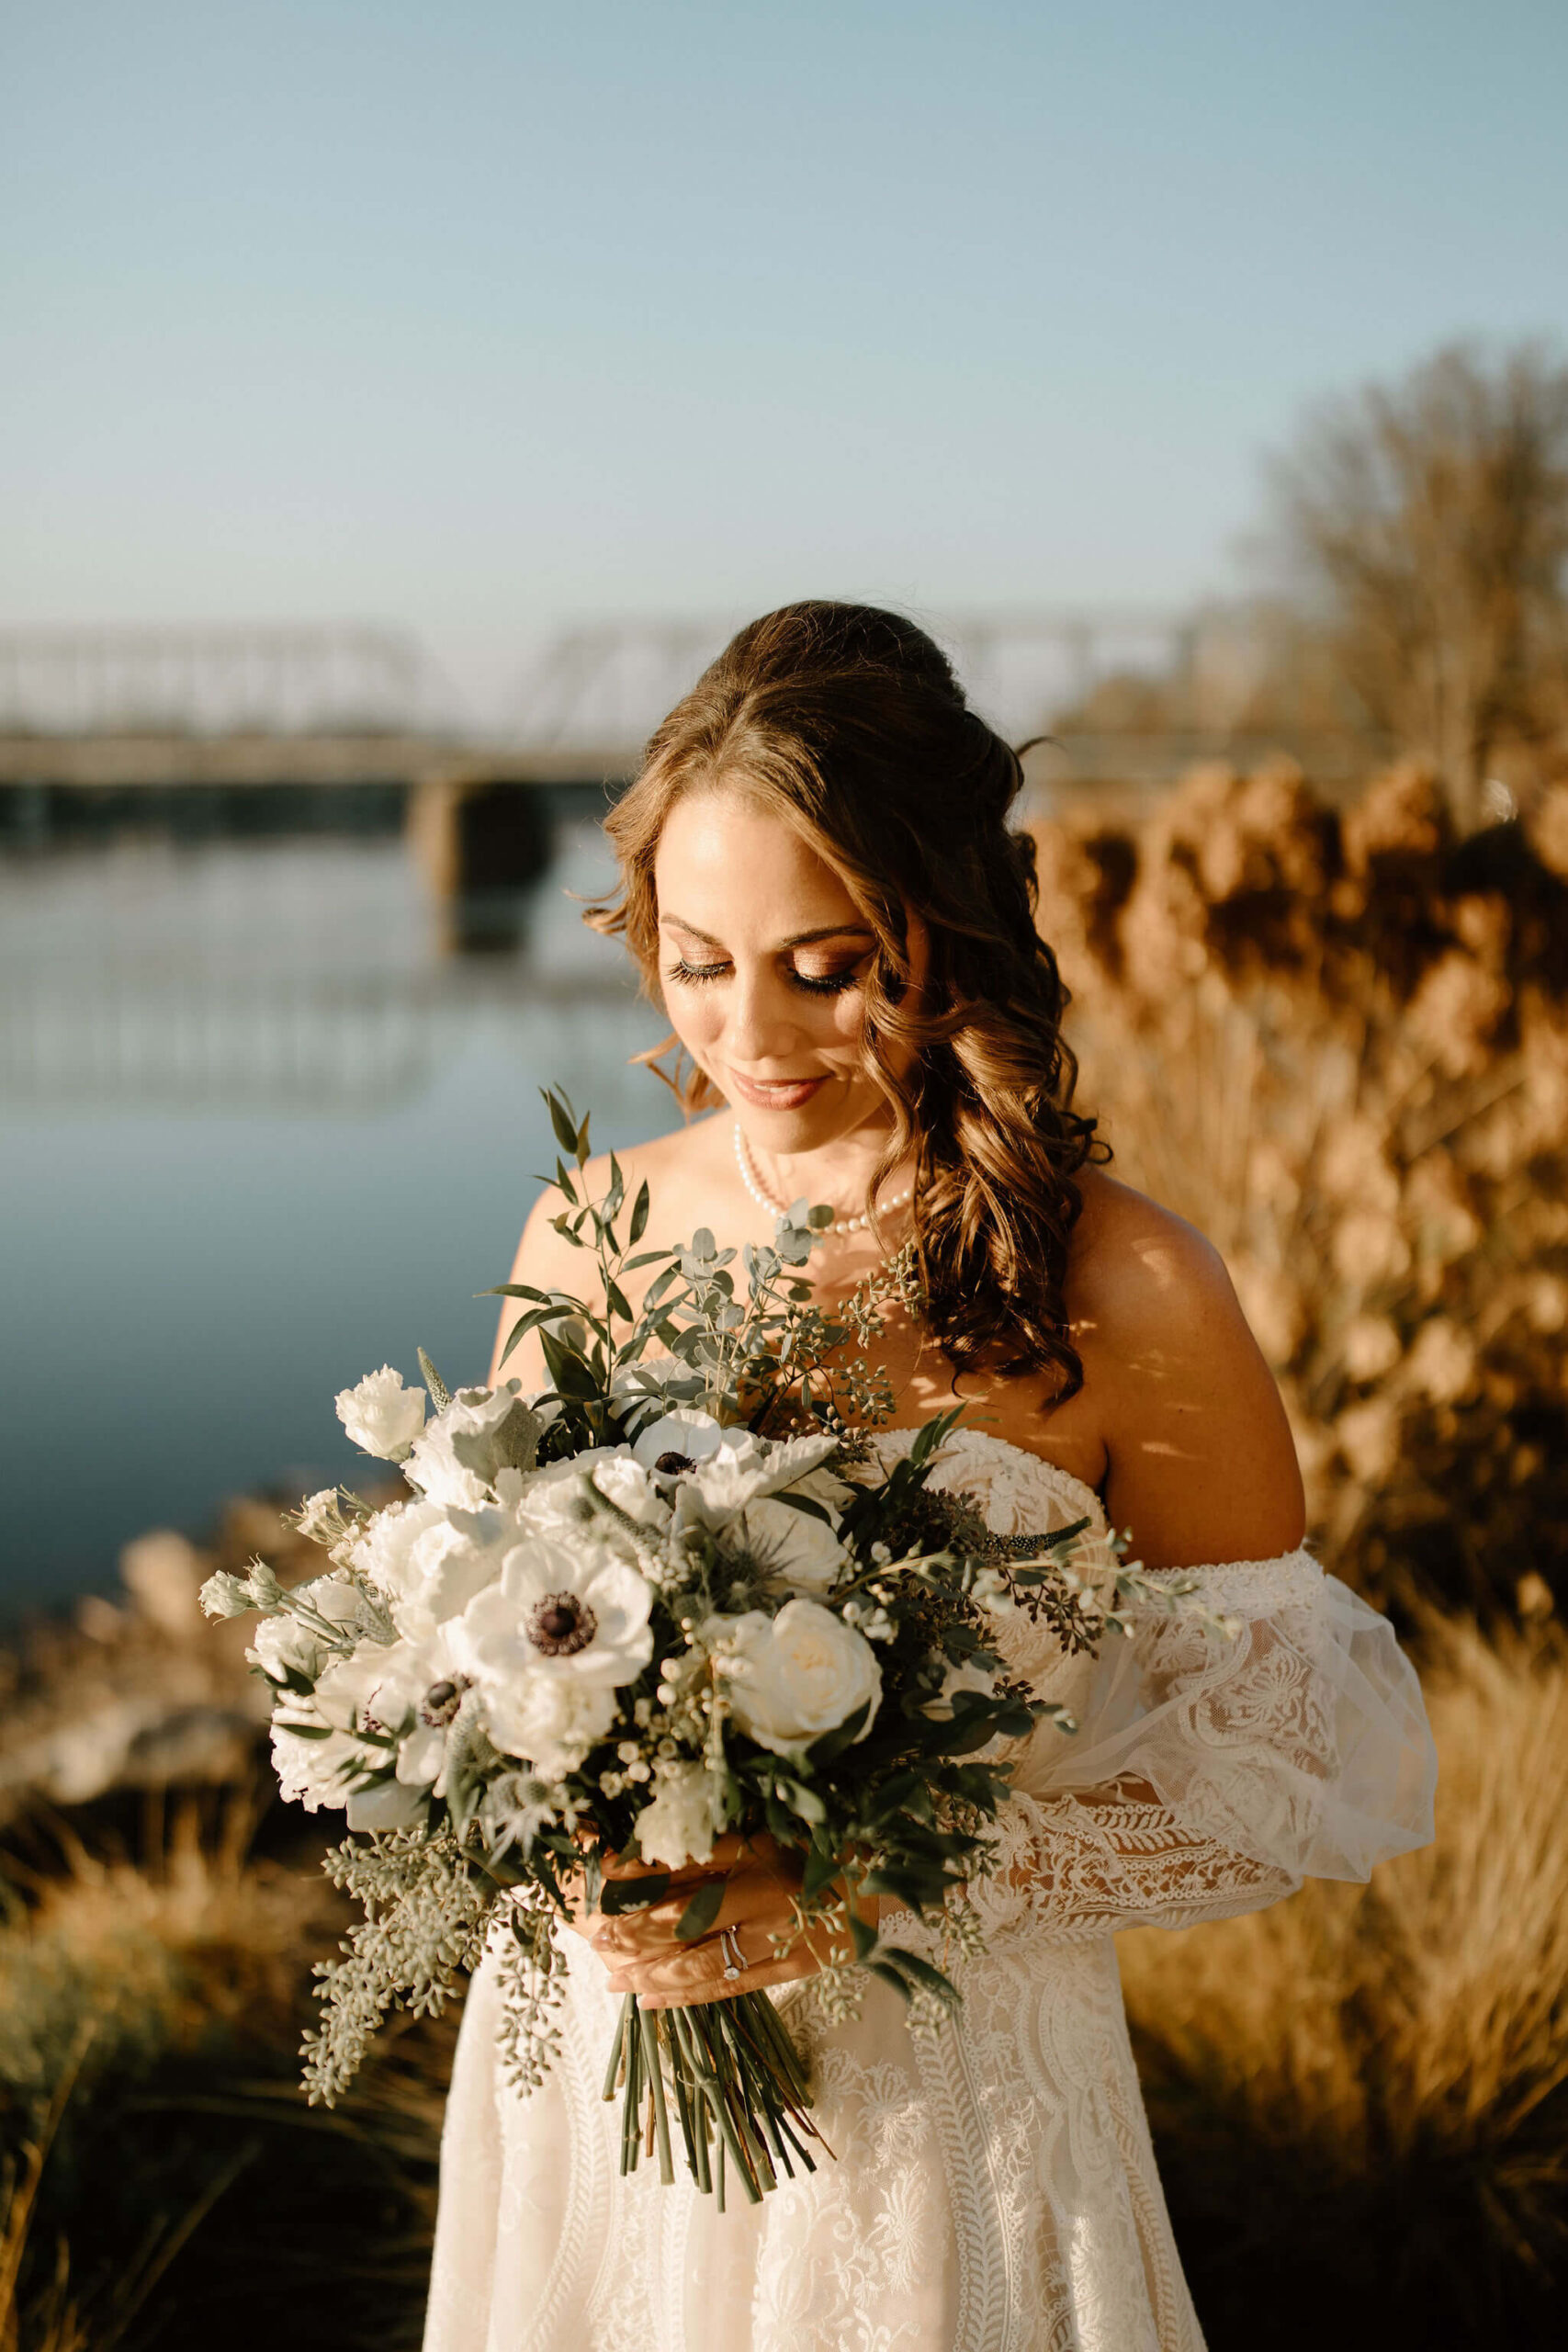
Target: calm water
(258, 1134)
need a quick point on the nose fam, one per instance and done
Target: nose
(763, 1022)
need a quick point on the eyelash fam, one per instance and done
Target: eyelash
(830, 984)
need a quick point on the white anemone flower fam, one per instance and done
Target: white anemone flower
(685, 1435)
(549, 1646)
(791, 1547)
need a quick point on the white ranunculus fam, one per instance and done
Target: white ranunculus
(430, 1559)
(693, 1436)
(381, 1415)
(790, 1546)
(458, 1458)
(790, 1678)
(550, 1645)
(686, 1809)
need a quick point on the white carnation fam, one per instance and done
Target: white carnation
(678, 1822)
(790, 1678)
(381, 1415)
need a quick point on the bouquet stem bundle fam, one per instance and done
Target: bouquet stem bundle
(735, 2080)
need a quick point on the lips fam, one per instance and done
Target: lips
(775, 1093)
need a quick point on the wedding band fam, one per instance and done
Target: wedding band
(734, 1958)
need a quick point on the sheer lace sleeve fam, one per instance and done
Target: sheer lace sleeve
(1211, 1775)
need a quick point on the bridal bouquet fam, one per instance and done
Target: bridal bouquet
(671, 1599)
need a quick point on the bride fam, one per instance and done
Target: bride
(820, 885)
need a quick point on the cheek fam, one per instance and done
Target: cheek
(696, 1020)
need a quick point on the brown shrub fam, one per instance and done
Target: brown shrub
(1339, 1042)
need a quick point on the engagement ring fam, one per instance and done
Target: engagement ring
(734, 1959)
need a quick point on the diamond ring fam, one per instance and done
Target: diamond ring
(734, 1958)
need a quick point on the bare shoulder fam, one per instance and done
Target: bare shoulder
(1142, 1276)
(1201, 1464)
(678, 1168)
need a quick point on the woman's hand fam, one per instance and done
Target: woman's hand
(643, 1954)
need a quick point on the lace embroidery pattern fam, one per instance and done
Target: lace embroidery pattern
(994, 2188)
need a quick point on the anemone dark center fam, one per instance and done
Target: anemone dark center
(441, 1700)
(672, 1465)
(561, 1625)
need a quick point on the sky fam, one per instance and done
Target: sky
(489, 317)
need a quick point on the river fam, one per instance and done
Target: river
(259, 1133)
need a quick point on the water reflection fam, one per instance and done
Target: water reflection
(260, 1130)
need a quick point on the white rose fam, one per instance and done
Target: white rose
(790, 1678)
(677, 1822)
(791, 1547)
(381, 1415)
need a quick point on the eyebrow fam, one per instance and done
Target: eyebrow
(798, 939)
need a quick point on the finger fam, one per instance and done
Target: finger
(688, 1979)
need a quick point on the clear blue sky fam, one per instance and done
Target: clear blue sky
(478, 314)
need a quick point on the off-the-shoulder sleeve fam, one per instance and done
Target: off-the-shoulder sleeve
(1212, 1771)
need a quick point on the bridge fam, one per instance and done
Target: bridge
(129, 708)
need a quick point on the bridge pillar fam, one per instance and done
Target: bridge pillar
(483, 838)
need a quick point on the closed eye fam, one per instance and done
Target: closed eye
(689, 974)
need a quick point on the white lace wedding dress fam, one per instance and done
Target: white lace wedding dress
(995, 2188)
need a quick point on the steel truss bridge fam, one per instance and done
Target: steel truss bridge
(225, 705)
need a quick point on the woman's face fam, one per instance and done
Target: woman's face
(763, 957)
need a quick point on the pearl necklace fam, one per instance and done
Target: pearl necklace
(781, 1208)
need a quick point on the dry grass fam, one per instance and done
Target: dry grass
(160, 2179)
(1361, 2096)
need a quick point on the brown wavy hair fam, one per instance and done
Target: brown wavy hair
(849, 724)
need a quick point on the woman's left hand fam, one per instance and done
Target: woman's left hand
(643, 1954)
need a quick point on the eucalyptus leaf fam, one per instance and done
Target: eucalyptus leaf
(702, 1910)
